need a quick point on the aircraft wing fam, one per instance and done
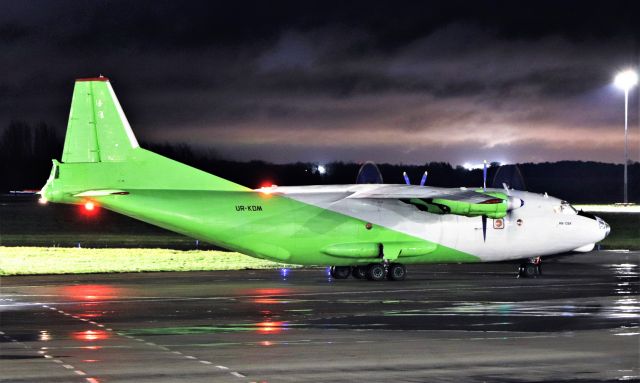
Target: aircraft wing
(421, 192)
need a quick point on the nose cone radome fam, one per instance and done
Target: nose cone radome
(604, 227)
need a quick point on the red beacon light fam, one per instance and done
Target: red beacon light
(89, 208)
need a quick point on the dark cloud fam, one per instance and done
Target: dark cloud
(286, 80)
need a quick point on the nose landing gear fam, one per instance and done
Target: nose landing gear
(532, 268)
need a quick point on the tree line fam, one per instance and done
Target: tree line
(26, 152)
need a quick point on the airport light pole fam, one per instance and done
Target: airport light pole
(626, 80)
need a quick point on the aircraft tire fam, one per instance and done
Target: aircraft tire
(340, 272)
(529, 270)
(397, 272)
(376, 272)
(359, 272)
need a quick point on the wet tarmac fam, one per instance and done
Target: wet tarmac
(449, 323)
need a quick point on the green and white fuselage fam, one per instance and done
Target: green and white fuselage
(337, 225)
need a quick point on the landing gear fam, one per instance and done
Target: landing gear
(359, 272)
(376, 272)
(397, 272)
(340, 272)
(372, 272)
(530, 269)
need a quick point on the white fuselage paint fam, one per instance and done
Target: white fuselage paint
(542, 226)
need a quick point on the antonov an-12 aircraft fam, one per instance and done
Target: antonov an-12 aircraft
(366, 230)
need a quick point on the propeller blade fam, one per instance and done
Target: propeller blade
(506, 188)
(406, 178)
(484, 176)
(424, 178)
(484, 228)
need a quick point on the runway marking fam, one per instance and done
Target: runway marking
(205, 362)
(151, 344)
(49, 357)
(190, 357)
(176, 352)
(237, 374)
(223, 367)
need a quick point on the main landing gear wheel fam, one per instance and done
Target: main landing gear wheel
(397, 272)
(359, 272)
(376, 272)
(340, 272)
(530, 269)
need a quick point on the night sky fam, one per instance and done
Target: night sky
(411, 82)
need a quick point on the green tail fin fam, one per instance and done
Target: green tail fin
(102, 153)
(98, 130)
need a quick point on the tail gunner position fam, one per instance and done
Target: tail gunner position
(367, 230)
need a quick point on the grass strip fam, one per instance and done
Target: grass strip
(65, 260)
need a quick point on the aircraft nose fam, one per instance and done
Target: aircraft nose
(602, 225)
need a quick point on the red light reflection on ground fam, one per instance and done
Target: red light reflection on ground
(90, 335)
(92, 292)
(274, 291)
(91, 315)
(269, 327)
(268, 301)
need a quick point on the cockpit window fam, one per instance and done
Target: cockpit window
(566, 208)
